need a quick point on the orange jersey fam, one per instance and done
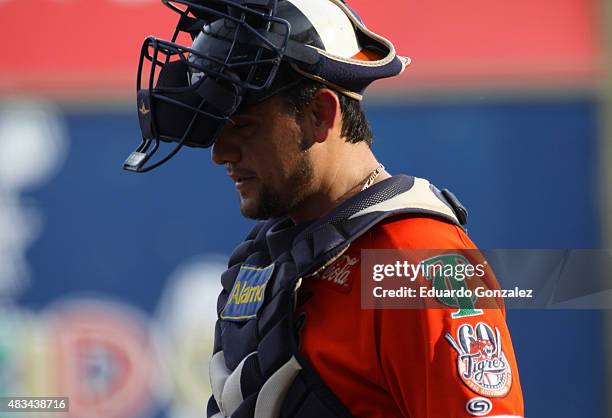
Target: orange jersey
(416, 363)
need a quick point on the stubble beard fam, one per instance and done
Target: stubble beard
(271, 203)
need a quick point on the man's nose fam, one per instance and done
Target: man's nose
(226, 149)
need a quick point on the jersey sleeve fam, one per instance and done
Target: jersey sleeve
(436, 364)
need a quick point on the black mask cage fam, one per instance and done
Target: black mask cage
(187, 94)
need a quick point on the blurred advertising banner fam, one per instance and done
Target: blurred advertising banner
(69, 332)
(90, 48)
(109, 280)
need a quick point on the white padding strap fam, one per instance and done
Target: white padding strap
(273, 391)
(232, 393)
(226, 384)
(420, 196)
(218, 373)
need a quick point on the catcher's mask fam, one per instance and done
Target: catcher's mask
(243, 52)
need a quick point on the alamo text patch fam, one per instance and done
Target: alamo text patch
(248, 292)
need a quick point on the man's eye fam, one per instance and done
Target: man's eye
(242, 125)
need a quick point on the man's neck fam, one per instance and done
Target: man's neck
(338, 185)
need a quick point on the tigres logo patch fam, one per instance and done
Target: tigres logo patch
(481, 362)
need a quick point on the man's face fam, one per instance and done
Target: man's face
(266, 154)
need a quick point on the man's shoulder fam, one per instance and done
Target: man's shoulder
(416, 231)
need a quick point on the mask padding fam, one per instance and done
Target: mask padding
(172, 120)
(225, 98)
(173, 74)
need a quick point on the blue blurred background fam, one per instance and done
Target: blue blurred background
(108, 280)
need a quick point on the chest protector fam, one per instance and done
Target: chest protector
(257, 370)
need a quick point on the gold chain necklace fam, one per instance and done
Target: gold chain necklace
(373, 176)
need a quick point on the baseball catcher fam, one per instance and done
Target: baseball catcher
(274, 87)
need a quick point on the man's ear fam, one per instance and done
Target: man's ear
(325, 113)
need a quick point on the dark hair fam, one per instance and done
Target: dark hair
(355, 126)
